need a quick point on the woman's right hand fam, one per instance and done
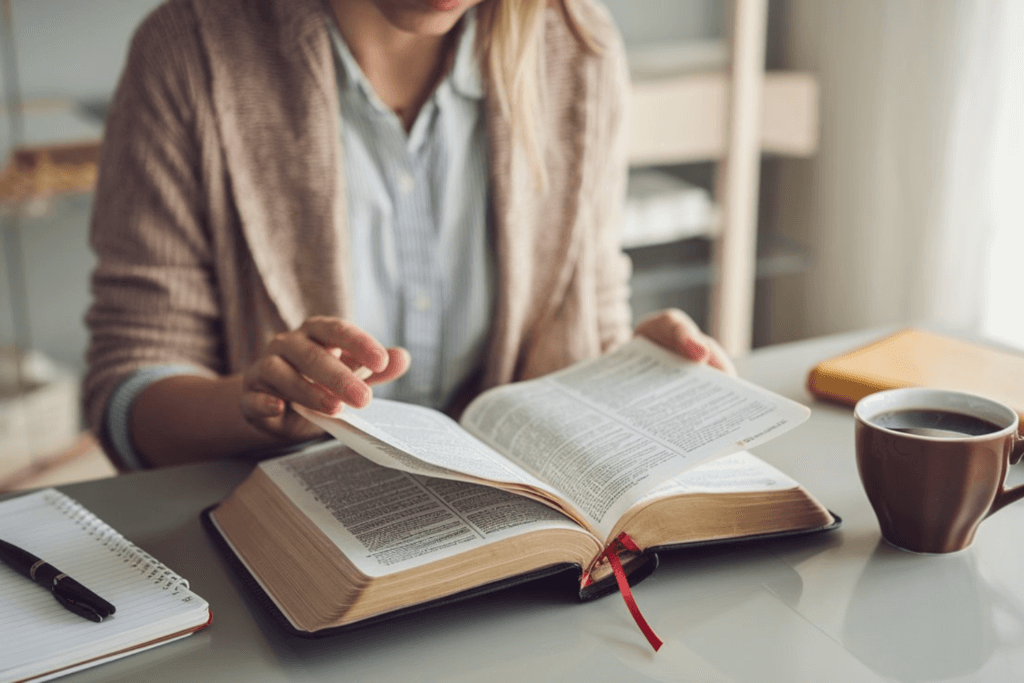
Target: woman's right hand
(322, 365)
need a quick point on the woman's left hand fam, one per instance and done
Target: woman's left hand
(677, 332)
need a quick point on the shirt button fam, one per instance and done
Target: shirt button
(422, 302)
(406, 183)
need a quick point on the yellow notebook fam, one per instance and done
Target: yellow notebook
(915, 357)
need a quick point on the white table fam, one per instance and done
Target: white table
(842, 606)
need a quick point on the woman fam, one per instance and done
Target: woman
(293, 190)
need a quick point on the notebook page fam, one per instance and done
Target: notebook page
(37, 634)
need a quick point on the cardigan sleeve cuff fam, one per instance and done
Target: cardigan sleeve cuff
(119, 408)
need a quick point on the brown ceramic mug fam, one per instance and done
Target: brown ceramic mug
(934, 464)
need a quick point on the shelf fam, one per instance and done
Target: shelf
(684, 118)
(660, 60)
(49, 122)
(662, 207)
(687, 265)
(59, 153)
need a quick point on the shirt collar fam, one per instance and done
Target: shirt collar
(464, 76)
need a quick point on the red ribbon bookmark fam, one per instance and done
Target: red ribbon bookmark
(612, 554)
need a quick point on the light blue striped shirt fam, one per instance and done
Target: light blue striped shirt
(422, 270)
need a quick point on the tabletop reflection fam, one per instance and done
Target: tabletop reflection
(921, 617)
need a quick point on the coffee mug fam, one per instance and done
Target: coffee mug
(934, 464)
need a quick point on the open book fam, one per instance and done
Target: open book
(412, 507)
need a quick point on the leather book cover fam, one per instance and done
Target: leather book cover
(914, 357)
(570, 572)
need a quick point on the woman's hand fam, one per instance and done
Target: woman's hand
(677, 332)
(324, 364)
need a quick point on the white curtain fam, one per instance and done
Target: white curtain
(906, 199)
(1003, 294)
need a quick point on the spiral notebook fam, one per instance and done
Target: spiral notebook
(40, 639)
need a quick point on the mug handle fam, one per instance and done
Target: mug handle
(1018, 448)
(1006, 496)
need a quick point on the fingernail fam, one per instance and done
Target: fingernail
(694, 349)
(356, 394)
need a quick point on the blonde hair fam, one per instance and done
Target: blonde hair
(511, 33)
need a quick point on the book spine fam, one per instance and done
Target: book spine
(129, 553)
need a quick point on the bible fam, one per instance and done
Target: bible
(408, 508)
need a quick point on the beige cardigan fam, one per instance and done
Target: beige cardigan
(220, 213)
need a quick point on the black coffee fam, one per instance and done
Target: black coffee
(935, 423)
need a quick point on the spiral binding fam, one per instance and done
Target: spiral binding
(154, 570)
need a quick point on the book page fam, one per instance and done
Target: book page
(740, 472)
(427, 442)
(419, 440)
(607, 431)
(385, 520)
(374, 443)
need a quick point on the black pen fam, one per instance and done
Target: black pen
(66, 590)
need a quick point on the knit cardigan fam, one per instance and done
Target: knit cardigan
(220, 217)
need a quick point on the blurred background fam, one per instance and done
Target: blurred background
(799, 168)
